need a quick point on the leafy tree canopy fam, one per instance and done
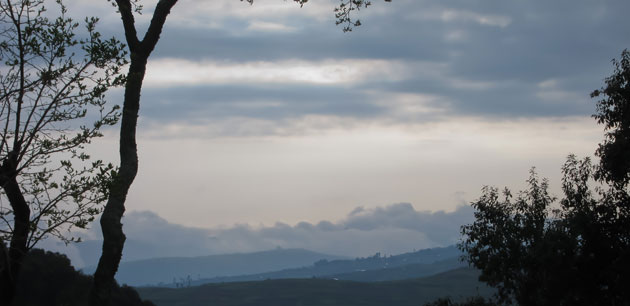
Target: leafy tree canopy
(539, 251)
(613, 111)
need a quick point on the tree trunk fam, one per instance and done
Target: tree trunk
(5, 270)
(113, 236)
(17, 247)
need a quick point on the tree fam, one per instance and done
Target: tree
(577, 253)
(52, 85)
(535, 255)
(139, 52)
(613, 111)
(510, 242)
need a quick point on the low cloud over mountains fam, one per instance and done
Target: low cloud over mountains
(393, 229)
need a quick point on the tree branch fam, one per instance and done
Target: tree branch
(126, 14)
(162, 9)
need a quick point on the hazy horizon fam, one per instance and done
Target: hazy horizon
(390, 230)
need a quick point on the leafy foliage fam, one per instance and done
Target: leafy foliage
(536, 255)
(507, 238)
(577, 253)
(613, 111)
(52, 104)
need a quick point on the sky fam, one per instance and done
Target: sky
(268, 117)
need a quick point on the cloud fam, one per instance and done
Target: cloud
(201, 12)
(392, 229)
(440, 227)
(490, 20)
(172, 72)
(450, 15)
(266, 26)
(484, 59)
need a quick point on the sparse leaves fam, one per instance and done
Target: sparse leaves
(52, 104)
(343, 12)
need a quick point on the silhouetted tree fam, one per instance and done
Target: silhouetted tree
(52, 89)
(613, 111)
(577, 253)
(140, 50)
(513, 242)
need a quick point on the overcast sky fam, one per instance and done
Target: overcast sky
(269, 113)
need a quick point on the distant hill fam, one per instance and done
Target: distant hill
(401, 272)
(185, 269)
(138, 249)
(458, 284)
(375, 268)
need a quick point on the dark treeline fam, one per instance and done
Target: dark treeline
(48, 278)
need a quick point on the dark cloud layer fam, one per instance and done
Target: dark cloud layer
(266, 102)
(510, 47)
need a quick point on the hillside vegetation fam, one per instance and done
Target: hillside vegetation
(48, 278)
(458, 284)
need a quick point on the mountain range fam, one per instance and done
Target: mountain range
(282, 264)
(369, 269)
(170, 270)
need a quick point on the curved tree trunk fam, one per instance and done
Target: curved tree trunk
(12, 259)
(113, 236)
